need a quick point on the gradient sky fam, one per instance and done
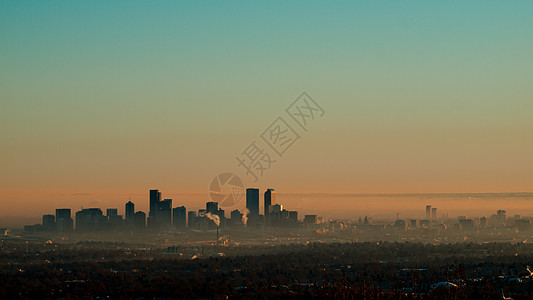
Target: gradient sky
(101, 101)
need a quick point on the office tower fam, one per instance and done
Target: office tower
(64, 221)
(434, 213)
(276, 208)
(49, 222)
(89, 219)
(130, 211)
(112, 212)
(269, 199)
(211, 207)
(113, 219)
(180, 217)
(252, 202)
(275, 215)
(155, 198)
(191, 219)
(428, 212)
(165, 213)
(236, 218)
(139, 220)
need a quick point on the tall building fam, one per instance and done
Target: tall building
(49, 223)
(165, 213)
(64, 222)
(139, 220)
(236, 218)
(113, 218)
(211, 207)
(252, 202)
(191, 219)
(112, 212)
(180, 217)
(434, 213)
(269, 199)
(428, 212)
(155, 198)
(130, 211)
(90, 219)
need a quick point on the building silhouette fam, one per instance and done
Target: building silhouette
(211, 207)
(113, 218)
(434, 213)
(269, 199)
(139, 220)
(49, 223)
(179, 215)
(90, 219)
(129, 211)
(64, 222)
(164, 218)
(191, 219)
(236, 218)
(155, 198)
(428, 212)
(252, 202)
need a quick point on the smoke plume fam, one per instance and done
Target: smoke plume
(245, 216)
(214, 217)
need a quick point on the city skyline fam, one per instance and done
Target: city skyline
(358, 205)
(420, 98)
(178, 222)
(162, 212)
(277, 149)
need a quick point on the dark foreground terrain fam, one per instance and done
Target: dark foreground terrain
(321, 271)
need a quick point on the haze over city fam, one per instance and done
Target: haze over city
(101, 102)
(266, 150)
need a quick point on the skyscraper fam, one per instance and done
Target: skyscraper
(139, 220)
(89, 219)
(434, 213)
(191, 219)
(270, 199)
(130, 211)
(252, 202)
(155, 198)
(236, 218)
(112, 212)
(211, 207)
(428, 212)
(165, 213)
(64, 221)
(49, 222)
(180, 217)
